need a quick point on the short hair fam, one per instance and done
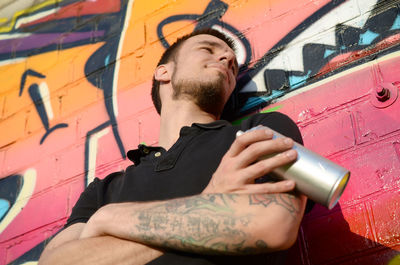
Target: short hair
(171, 53)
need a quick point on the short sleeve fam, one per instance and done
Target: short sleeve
(276, 121)
(87, 204)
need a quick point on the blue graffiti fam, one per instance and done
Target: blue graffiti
(4, 207)
(379, 25)
(396, 23)
(37, 99)
(10, 187)
(315, 56)
(297, 81)
(328, 52)
(367, 38)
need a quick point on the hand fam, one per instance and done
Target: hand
(241, 166)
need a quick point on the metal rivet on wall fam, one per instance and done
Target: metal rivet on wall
(384, 95)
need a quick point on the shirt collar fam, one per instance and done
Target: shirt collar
(143, 150)
(212, 125)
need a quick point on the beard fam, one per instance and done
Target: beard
(208, 95)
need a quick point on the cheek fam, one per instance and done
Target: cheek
(190, 71)
(180, 74)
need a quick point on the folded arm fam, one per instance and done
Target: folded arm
(67, 248)
(205, 224)
(233, 215)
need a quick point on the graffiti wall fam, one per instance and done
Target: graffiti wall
(74, 98)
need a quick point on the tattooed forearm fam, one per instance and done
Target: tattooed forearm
(287, 201)
(204, 224)
(208, 224)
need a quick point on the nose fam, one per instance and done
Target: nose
(228, 58)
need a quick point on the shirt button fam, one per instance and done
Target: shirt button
(157, 154)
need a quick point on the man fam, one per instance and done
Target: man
(198, 198)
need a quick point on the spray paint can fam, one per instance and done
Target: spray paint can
(317, 177)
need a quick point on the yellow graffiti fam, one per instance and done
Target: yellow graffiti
(26, 11)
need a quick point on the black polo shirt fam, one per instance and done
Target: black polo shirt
(184, 170)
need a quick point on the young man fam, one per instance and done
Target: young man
(197, 198)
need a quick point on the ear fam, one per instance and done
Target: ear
(163, 72)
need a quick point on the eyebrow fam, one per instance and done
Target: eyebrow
(211, 43)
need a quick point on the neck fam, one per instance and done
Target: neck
(176, 115)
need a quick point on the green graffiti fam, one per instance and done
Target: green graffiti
(239, 121)
(395, 261)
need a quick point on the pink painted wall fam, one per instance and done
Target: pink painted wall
(75, 97)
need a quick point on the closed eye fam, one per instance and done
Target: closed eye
(208, 49)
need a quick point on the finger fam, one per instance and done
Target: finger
(267, 188)
(262, 150)
(265, 166)
(246, 139)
